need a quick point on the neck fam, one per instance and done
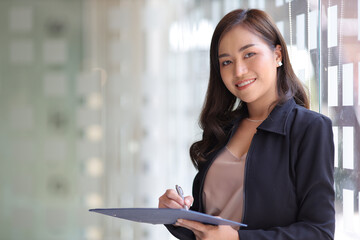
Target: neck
(259, 111)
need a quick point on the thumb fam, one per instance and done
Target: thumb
(188, 200)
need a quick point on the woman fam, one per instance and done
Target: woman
(265, 160)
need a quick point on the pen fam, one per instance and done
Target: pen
(181, 194)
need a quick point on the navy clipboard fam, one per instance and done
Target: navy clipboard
(163, 215)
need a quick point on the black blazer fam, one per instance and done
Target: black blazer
(289, 191)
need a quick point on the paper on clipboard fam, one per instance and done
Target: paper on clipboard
(163, 215)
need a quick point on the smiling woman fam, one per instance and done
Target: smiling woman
(248, 66)
(264, 158)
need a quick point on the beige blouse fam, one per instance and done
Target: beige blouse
(223, 187)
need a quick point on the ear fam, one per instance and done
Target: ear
(278, 54)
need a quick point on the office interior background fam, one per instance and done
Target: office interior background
(99, 103)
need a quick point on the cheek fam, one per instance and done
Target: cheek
(225, 76)
(268, 68)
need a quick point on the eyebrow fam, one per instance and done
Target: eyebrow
(240, 50)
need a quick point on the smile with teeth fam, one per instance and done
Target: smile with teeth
(246, 82)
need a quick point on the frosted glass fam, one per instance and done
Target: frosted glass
(55, 150)
(348, 89)
(55, 51)
(21, 117)
(94, 133)
(301, 73)
(332, 26)
(348, 209)
(348, 147)
(55, 84)
(115, 53)
(86, 149)
(332, 86)
(21, 19)
(119, 51)
(26, 220)
(279, 3)
(230, 5)
(119, 17)
(54, 217)
(95, 232)
(253, 4)
(88, 83)
(94, 200)
(336, 146)
(27, 153)
(358, 19)
(215, 11)
(21, 51)
(22, 184)
(261, 4)
(300, 31)
(86, 117)
(313, 33)
(280, 25)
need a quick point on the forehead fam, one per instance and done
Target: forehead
(237, 37)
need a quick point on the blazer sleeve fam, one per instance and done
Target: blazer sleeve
(180, 232)
(314, 179)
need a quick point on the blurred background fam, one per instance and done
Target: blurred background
(99, 103)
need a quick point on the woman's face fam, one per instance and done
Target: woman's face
(248, 66)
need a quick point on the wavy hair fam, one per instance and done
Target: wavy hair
(221, 106)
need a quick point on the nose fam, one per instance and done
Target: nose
(240, 68)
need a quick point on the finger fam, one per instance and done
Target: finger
(192, 225)
(188, 201)
(199, 229)
(165, 202)
(170, 199)
(173, 195)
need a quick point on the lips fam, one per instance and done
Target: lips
(244, 83)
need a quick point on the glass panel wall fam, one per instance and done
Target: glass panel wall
(99, 102)
(340, 49)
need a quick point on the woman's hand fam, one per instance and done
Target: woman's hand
(209, 232)
(170, 199)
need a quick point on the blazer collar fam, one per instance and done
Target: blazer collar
(276, 121)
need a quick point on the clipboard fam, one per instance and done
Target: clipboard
(163, 216)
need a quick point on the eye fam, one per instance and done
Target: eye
(248, 55)
(226, 62)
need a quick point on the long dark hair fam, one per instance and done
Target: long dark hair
(220, 107)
